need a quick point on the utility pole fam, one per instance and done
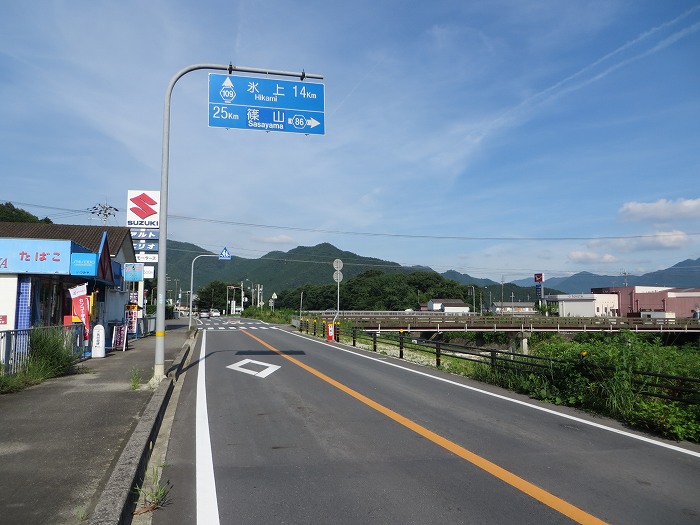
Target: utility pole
(502, 278)
(104, 211)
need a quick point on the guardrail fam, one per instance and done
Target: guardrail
(664, 386)
(16, 346)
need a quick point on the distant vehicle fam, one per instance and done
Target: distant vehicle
(203, 314)
(214, 313)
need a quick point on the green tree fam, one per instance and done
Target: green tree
(9, 213)
(376, 290)
(213, 295)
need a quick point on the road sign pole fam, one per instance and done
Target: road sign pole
(159, 365)
(337, 277)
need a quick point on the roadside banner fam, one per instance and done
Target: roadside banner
(81, 310)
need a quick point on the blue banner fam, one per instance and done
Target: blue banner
(83, 264)
(36, 256)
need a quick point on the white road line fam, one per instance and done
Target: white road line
(511, 400)
(207, 507)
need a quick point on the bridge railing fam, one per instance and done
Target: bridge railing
(441, 321)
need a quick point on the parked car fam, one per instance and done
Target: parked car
(214, 313)
(204, 313)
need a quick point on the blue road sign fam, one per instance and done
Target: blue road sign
(266, 104)
(225, 255)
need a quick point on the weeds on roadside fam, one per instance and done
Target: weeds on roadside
(135, 379)
(81, 515)
(50, 355)
(156, 495)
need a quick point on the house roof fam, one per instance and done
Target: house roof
(514, 303)
(449, 302)
(118, 237)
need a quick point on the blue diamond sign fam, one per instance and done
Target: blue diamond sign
(266, 104)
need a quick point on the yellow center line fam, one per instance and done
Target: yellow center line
(541, 495)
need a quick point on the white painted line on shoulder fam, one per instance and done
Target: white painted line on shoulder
(207, 506)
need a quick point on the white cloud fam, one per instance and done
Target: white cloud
(578, 256)
(275, 239)
(662, 240)
(662, 209)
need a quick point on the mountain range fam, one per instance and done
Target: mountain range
(302, 265)
(685, 274)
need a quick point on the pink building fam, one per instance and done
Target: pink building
(635, 300)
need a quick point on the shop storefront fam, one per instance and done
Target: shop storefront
(37, 274)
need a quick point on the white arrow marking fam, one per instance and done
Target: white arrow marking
(266, 371)
(312, 122)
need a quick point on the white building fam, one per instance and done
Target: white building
(453, 306)
(586, 305)
(517, 308)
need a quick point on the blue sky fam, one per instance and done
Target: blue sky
(498, 138)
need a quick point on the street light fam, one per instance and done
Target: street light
(189, 325)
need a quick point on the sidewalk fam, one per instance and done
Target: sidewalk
(62, 441)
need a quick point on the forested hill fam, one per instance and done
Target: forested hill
(368, 283)
(276, 270)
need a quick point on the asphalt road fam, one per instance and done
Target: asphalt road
(336, 435)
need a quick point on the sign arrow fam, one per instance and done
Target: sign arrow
(312, 122)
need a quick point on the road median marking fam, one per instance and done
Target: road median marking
(515, 481)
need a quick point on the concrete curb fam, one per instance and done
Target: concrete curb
(117, 500)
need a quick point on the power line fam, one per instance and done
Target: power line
(390, 235)
(415, 236)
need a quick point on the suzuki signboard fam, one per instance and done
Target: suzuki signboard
(143, 209)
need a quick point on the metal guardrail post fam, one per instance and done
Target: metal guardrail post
(336, 332)
(354, 336)
(374, 341)
(437, 354)
(401, 336)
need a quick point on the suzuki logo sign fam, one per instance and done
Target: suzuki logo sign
(143, 209)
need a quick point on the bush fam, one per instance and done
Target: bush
(279, 316)
(597, 374)
(670, 419)
(50, 355)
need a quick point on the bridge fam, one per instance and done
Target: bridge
(449, 322)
